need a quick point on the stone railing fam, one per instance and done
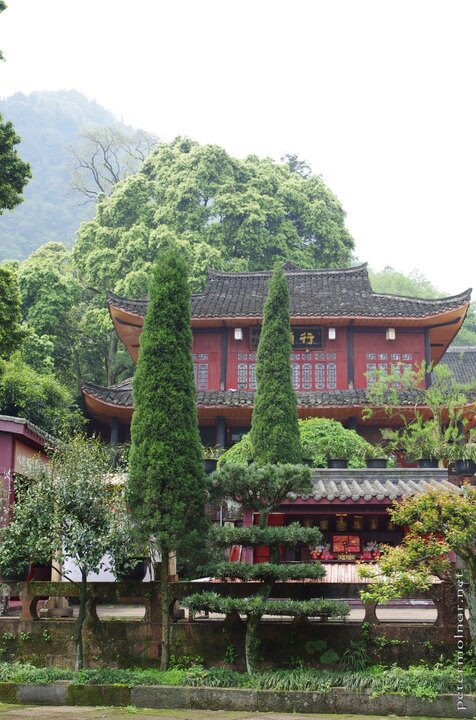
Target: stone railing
(148, 595)
(123, 642)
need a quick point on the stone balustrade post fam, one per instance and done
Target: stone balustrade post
(153, 603)
(28, 604)
(370, 615)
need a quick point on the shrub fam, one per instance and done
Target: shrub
(320, 439)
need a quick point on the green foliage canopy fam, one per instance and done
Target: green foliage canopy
(223, 212)
(51, 298)
(62, 511)
(262, 487)
(68, 329)
(10, 312)
(396, 283)
(320, 438)
(166, 486)
(323, 438)
(257, 606)
(43, 343)
(14, 173)
(293, 536)
(39, 397)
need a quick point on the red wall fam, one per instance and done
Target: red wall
(331, 347)
(209, 345)
(7, 455)
(235, 348)
(407, 348)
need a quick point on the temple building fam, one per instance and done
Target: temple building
(342, 334)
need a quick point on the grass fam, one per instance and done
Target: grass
(419, 680)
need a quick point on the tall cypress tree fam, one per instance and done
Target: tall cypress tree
(166, 476)
(274, 429)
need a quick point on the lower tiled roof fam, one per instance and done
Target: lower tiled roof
(368, 484)
(46, 437)
(462, 362)
(121, 395)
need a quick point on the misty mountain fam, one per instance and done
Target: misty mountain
(49, 124)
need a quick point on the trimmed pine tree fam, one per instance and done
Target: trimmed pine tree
(262, 489)
(274, 427)
(166, 486)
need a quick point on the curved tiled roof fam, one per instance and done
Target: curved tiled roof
(462, 362)
(121, 395)
(312, 293)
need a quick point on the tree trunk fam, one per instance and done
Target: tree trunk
(77, 369)
(470, 594)
(252, 643)
(113, 342)
(164, 594)
(78, 628)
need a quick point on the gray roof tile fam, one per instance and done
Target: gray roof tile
(35, 429)
(369, 485)
(462, 362)
(312, 293)
(121, 394)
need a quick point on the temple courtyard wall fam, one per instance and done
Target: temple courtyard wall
(123, 627)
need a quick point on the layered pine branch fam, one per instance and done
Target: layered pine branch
(259, 606)
(267, 573)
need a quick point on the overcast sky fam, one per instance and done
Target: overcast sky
(377, 95)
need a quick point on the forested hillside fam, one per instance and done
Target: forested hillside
(50, 125)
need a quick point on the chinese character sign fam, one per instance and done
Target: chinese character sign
(301, 337)
(306, 337)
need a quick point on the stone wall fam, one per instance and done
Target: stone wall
(126, 643)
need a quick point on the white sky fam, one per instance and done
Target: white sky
(377, 95)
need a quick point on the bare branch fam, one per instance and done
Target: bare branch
(104, 156)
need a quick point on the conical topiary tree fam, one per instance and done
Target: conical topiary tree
(166, 476)
(274, 427)
(263, 485)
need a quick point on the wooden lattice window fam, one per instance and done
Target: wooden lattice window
(387, 364)
(200, 370)
(314, 371)
(247, 371)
